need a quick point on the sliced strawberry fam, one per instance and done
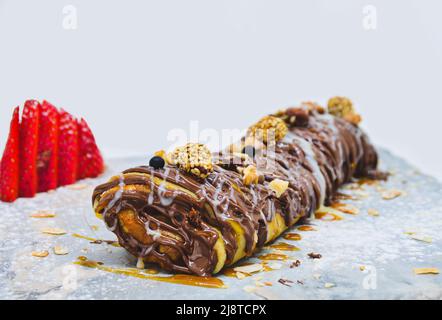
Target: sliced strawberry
(67, 149)
(91, 162)
(9, 183)
(47, 159)
(29, 148)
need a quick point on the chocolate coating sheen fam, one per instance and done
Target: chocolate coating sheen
(315, 158)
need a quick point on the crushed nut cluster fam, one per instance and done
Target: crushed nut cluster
(269, 128)
(343, 107)
(193, 158)
(278, 186)
(250, 175)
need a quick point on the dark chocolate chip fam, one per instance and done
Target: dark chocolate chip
(157, 162)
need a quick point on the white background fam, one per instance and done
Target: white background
(136, 69)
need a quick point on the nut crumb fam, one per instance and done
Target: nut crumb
(391, 194)
(346, 208)
(42, 214)
(421, 238)
(329, 285)
(279, 186)
(419, 271)
(40, 254)
(295, 264)
(373, 212)
(313, 255)
(285, 282)
(249, 269)
(60, 251)
(77, 186)
(275, 266)
(250, 175)
(54, 231)
(241, 275)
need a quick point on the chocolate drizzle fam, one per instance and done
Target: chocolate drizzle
(177, 220)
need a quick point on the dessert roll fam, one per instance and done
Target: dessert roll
(194, 212)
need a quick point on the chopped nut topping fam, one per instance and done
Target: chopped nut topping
(43, 214)
(343, 107)
(329, 285)
(295, 264)
(61, 251)
(279, 186)
(54, 231)
(40, 254)
(250, 175)
(241, 275)
(269, 128)
(77, 186)
(426, 271)
(421, 238)
(193, 158)
(313, 255)
(391, 194)
(275, 266)
(249, 269)
(285, 282)
(373, 212)
(346, 208)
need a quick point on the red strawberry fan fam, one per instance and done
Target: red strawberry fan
(47, 149)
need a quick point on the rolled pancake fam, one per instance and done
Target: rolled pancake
(192, 225)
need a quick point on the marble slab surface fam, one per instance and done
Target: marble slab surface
(364, 256)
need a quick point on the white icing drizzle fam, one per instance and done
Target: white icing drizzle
(330, 120)
(306, 147)
(162, 191)
(154, 233)
(223, 203)
(115, 199)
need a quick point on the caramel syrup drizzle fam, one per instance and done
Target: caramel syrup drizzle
(284, 247)
(97, 241)
(292, 236)
(149, 274)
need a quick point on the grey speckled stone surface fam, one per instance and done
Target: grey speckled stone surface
(381, 244)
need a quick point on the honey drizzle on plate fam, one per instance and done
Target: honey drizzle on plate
(93, 240)
(206, 282)
(306, 228)
(274, 256)
(327, 216)
(284, 247)
(292, 236)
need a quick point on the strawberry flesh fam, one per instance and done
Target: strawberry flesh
(29, 148)
(47, 159)
(9, 182)
(68, 149)
(90, 158)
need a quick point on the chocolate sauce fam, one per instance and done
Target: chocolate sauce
(184, 223)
